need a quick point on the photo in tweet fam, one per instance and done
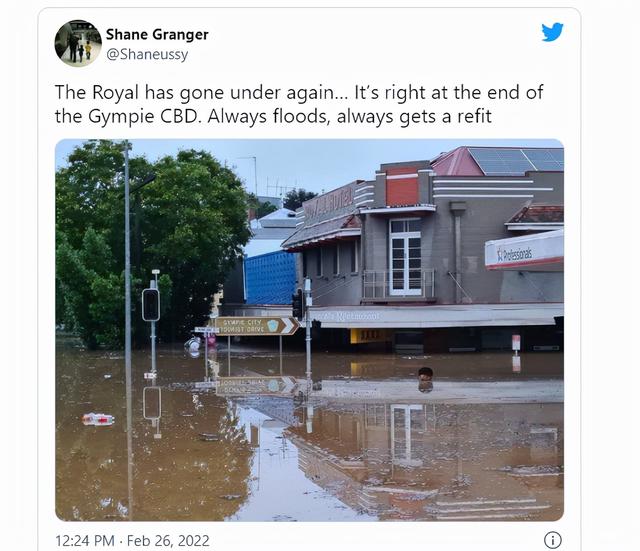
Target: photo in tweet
(371, 330)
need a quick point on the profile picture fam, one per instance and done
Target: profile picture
(78, 43)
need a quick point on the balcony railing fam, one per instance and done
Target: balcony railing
(388, 285)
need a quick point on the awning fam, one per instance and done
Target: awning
(343, 227)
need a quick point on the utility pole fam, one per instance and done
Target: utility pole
(127, 329)
(127, 268)
(307, 303)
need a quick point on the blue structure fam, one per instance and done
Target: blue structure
(270, 278)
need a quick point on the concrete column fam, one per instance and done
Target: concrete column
(425, 186)
(457, 210)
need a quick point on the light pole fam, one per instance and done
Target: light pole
(127, 268)
(127, 328)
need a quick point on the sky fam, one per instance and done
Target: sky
(315, 165)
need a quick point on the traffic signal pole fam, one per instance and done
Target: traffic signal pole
(153, 285)
(307, 304)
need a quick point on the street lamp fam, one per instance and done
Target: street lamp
(127, 318)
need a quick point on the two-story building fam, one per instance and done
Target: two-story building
(400, 258)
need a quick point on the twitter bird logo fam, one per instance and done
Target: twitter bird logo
(551, 33)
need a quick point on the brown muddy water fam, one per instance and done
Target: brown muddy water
(268, 458)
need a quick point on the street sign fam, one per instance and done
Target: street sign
(515, 343)
(238, 386)
(206, 330)
(150, 375)
(256, 326)
(205, 384)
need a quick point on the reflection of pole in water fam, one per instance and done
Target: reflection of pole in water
(129, 447)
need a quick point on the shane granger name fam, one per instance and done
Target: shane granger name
(157, 34)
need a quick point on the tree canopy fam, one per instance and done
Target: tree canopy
(190, 223)
(294, 198)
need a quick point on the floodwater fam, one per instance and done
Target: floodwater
(269, 458)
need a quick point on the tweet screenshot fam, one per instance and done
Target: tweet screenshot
(302, 278)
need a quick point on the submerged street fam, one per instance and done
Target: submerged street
(378, 450)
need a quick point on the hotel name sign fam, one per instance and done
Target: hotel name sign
(328, 203)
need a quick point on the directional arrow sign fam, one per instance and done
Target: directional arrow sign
(256, 326)
(237, 386)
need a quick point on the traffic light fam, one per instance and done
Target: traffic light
(150, 305)
(297, 304)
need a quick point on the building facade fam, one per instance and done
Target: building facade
(405, 251)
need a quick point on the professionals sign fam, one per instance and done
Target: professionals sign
(545, 249)
(239, 386)
(255, 326)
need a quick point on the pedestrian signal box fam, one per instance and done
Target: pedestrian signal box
(150, 305)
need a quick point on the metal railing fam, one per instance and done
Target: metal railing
(381, 285)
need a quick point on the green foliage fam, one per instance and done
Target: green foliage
(265, 208)
(294, 198)
(190, 223)
(261, 208)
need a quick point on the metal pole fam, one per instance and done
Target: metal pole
(229, 356)
(127, 329)
(255, 173)
(153, 337)
(206, 356)
(307, 296)
(127, 265)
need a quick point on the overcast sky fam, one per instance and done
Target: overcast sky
(315, 165)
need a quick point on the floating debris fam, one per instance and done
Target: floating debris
(98, 419)
(208, 437)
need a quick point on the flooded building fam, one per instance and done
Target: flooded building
(266, 275)
(400, 258)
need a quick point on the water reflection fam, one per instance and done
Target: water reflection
(268, 458)
(438, 461)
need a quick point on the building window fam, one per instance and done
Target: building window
(405, 257)
(335, 259)
(304, 263)
(353, 251)
(319, 262)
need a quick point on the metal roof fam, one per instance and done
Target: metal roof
(329, 230)
(538, 214)
(498, 161)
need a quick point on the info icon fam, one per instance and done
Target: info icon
(553, 540)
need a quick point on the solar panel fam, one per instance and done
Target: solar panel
(501, 162)
(515, 162)
(546, 159)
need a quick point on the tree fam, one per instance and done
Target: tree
(261, 208)
(192, 225)
(294, 198)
